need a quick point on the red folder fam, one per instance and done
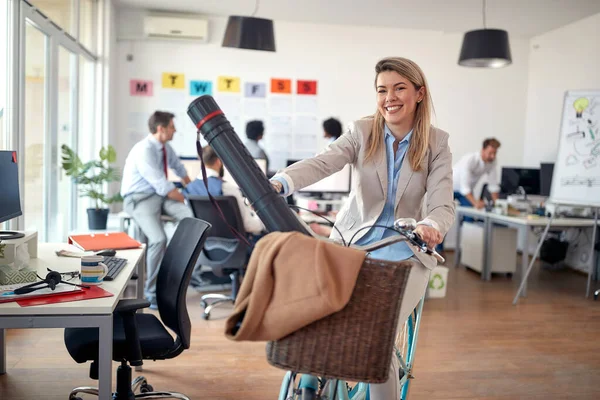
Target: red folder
(101, 241)
(94, 292)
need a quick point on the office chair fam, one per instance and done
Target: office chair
(223, 252)
(138, 336)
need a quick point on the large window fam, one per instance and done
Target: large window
(59, 11)
(36, 188)
(3, 69)
(87, 24)
(62, 213)
(54, 43)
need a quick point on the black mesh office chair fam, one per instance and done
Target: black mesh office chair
(223, 252)
(138, 336)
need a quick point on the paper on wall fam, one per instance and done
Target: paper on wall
(280, 104)
(255, 109)
(231, 104)
(307, 104)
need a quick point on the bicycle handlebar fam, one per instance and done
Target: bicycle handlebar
(405, 227)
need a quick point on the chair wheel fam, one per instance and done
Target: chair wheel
(595, 296)
(205, 316)
(145, 388)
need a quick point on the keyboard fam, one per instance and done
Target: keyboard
(115, 266)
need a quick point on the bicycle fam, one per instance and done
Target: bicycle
(311, 387)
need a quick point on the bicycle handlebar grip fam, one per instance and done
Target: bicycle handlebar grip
(220, 135)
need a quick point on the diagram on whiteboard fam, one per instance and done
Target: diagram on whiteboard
(577, 169)
(585, 135)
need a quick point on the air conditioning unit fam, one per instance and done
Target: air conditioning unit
(168, 26)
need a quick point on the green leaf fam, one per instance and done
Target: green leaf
(71, 162)
(111, 155)
(90, 177)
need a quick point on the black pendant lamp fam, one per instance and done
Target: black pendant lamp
(249, 33)
(485, 48)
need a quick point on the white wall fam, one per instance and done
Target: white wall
(567, 58)
(470, 104)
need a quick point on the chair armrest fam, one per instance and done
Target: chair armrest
(131, 305)
(126, 310)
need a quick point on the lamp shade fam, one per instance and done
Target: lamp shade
(249, 33)
(485, 48)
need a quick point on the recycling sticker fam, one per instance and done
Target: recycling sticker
(437, 282)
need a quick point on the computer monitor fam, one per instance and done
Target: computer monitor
(512, 178)
(262, 164)
(10, 201)
(192, 166)
(546, 171)
(338, 183)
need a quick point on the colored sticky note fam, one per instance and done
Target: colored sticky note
(140, 88)
(281, 85)
(228, 84)
(254, 89)
(307, 87)
(171, 80)
(200, 88)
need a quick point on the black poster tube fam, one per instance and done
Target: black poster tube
(271, 208)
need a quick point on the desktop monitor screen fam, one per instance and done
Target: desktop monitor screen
(192, 166)
(10, 202)
(262, 164)
(528, 178)
(336, 183)
(546, 171)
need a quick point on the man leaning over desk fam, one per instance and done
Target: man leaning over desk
(469, 170)
(147, 193)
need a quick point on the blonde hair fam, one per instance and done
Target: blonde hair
(420, 137)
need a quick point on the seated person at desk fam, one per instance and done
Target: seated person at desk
(469, 170)
(147, 193)
(218, 187)
(255, 131)
(332, 129)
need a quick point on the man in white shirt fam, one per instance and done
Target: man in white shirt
(469, 170)
(218, 187)
(147, 193)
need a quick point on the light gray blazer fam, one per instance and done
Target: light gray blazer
(368, 196)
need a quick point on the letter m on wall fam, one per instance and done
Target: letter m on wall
(140, 88)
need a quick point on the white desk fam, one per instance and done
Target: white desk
(94, 313)
(522, 224)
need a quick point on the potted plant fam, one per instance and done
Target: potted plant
(91, 178)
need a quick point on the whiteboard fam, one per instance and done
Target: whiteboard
(576, 176)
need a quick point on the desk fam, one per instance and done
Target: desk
(522, 224)
(94, 313)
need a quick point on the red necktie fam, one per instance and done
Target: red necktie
(164, 150)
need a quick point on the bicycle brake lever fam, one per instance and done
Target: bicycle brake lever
(420, 243)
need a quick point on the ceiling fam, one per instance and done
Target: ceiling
(524, 18)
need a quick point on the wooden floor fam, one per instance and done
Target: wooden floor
(474, 344)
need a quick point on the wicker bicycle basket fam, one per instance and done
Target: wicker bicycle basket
(357, 342)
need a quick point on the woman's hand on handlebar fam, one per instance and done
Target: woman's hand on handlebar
(278, 186)
(430, 235)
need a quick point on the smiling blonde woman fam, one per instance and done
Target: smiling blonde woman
(397, 157)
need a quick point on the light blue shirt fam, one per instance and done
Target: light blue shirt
(397, 251)
(144, 168)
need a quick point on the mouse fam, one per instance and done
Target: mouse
(106, 253)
